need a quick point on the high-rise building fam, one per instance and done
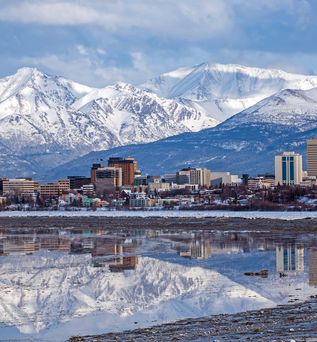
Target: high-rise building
(93, 170)
(194, 175)
(108, 179)
(288, 168)
(128, 166)
(312, 157)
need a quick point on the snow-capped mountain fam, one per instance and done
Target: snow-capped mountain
(48, 120)
(224, 90)
(245, 143)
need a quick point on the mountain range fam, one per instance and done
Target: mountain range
(223, 90)
(47, 120)
(245, 143)
(51, 126)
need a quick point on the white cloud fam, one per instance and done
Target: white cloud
(82, 50)
(164, 18)
(50, 13)
(89, 69)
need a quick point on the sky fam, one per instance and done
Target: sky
(100, 42)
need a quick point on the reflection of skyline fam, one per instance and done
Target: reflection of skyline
(120, 251)
(289, 258)
(312, 266)
(24, 245)
(116, 249)
(197, 249)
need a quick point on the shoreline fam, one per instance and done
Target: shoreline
(285, 215)
(235, 224)
(280, 323)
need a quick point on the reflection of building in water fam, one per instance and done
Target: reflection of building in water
(22, 245)
(289, 258)
(121, 252)
(18, 245)
(313, 266)
(55, 243)
(198, 249)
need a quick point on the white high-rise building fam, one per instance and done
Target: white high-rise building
(194, 175)
(288, 168)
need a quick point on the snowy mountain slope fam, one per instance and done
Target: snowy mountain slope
(48, 120)
(46, 299)
(245, 143)
(224, 90)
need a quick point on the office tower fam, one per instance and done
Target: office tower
(93, 170)
(288, 168)
(194, 175)
(312, 157)
(128, 166)
(108, 179)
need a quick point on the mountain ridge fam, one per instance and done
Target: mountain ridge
(245, 143)
(47, 120)
(225, 89)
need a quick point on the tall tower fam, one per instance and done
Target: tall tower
(288, 168)
(127, 165)
(312, 157)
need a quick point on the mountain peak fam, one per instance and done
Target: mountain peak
(28, 72)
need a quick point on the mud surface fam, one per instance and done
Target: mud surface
(221, 224)
(283, 323)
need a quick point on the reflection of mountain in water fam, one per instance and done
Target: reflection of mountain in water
(51, 290)
(89, 281)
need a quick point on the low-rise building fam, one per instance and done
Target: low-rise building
(141, 200)
(224, 178)
(54, 189)
(76, 182)
(260, 183)
(159, 186)
(19, 186)
(88, 189)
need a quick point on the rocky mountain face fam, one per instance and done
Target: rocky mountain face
(245, 143)
(223, 90)
(46, 120)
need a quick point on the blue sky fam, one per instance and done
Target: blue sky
(100, 42)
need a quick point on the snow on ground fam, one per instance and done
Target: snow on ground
(283, 215)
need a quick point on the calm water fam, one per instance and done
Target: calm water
(55, 284)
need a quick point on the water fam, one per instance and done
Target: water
(59, 283)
